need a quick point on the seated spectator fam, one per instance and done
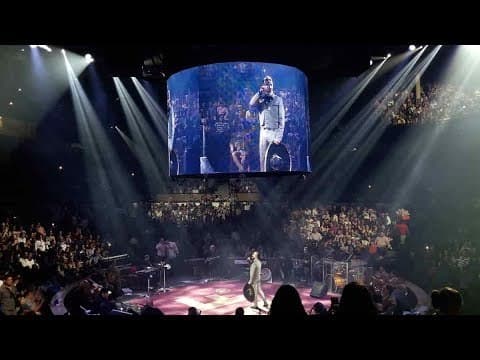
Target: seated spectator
(104, 304)
(32, 302)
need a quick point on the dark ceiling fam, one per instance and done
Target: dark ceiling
(316, 60)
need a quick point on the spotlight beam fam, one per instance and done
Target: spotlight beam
(365, 128)
(147, 148)
(109, 183)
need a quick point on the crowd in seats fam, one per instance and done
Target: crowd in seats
(35, 261)
(243, 186)
(351, 230)
(202, 186)
(436, 104)
(454, 262)
(208, 211)
(188, 186)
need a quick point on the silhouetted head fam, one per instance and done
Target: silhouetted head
(435, 297)
(356, 300)
(287, 302)
(318, 309)
(151, 311)
(448, 301)
(192, 311)
(239, 311)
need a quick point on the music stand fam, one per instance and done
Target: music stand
(147, 294)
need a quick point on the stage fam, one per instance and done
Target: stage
(220, 297)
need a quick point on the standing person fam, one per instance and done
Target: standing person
(255, 280)
(8, 297)
(271, 114)
(161, 248)
(172, 253)
(172, 250)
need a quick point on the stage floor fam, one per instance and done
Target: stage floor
(216, 297)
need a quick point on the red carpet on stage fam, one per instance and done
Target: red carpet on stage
(218, 298)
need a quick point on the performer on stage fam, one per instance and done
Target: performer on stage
(255, 280)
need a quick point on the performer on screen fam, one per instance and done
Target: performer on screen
(255, 280)
(271, 114)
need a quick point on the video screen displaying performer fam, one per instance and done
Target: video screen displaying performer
(238, 118)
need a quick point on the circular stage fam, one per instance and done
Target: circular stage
(216, 298)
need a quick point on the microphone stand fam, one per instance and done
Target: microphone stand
(205, 166)
(164, 289)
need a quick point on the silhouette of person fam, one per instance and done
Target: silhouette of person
(287, 302)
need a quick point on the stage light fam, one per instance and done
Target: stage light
(19, 89)
(411, 47)
(44, 47)
(89, 58)
(63, 51)
(389, 55)
(371, 62)
(10, 103)
(133, 174)
(60, 168)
